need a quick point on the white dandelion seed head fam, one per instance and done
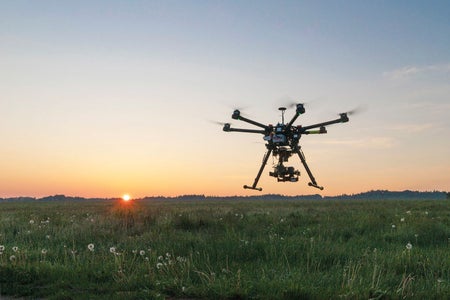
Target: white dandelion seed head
(91, 247)
(409, 246)
(393, 226)
(159, 265)
(112, 249)
(12, 258)
(160, 257)
(15, 248)
(142, 253)
(134, 251)
(402, 220)
(2, 248)
(31, 222)
(44, 251)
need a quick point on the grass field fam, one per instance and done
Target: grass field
(226, 250)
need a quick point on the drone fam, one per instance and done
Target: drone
(282, 141)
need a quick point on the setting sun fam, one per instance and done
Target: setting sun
(126, 197)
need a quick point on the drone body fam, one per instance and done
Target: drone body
(282, 141)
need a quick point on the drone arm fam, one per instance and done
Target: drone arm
(243, 130)
(313, 182)
(264, 162)
(342, 119)
(320, 131)
(237, 116)
(300, 110)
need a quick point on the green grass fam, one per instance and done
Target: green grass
(226, 250)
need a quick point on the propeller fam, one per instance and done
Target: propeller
(356, 111)
(219, 123)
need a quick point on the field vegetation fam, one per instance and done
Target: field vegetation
(326, 249)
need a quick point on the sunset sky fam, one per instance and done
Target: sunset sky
(102, 98)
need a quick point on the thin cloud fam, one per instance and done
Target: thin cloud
(413, 128)
(414, 71)
(373, 142)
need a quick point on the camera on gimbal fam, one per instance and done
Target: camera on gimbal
(283, 173)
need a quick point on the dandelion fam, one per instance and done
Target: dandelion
(91, 247)
(44, 251)
(161, 258)
(31, 222)
(159, 265)
(112, 250)
(12, 258)
(2, 248)
(47, 237)
(181, 259)
(408, 212)
(409, 246)
(15, 248)
(134, 251)
(393, 226)
(142, 253)
(402, 220)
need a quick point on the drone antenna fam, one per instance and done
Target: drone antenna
(282, 114)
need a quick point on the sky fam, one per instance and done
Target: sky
(102, 98)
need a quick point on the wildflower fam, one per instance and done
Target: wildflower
(12, 258)
(134, 251)
(15, 248)
(161, 258)
(2, 248)
(181, 259)
(408, 212)
(393, 226)
(44, 251)
(402, 220)
(159, 265)
(112, 250)
(142, 253)
(91, 247)
(31, 222)
(409, 246)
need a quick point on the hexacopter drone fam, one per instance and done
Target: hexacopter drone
(282, 141)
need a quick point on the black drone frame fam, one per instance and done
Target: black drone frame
(283, 141)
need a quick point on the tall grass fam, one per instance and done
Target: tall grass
(227, 250)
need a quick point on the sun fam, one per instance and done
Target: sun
(126, 197)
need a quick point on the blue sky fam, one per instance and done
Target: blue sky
(106, 97)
